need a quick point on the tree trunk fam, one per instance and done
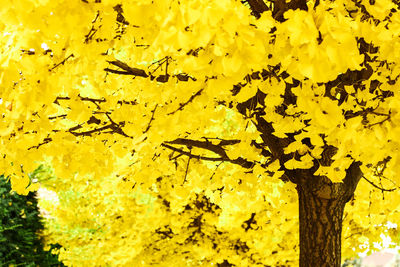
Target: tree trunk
(320, 229)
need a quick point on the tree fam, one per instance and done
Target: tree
(219, 112)
(20, 242)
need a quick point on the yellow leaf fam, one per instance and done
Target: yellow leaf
(305, 162)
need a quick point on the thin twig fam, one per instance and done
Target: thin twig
(378, 187)
(187, 169)
(56, 117)
(209, 146)
(200, 144)
(379, 122)
(190, 154)
(45, 141)
(182, 105)
(151, 119)
(90, 132)
(216, 168)
(62, 62)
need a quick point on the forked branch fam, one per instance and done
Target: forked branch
(125, 69)
(207, 145)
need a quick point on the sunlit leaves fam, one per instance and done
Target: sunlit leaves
(379, 9)
(323, 78)
(323, 50)
(305, 162)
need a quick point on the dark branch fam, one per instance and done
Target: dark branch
(151, 119)
(190, 154)
(378, 187)
(200, 144)
(114, 128)
(257, 7)
(208, 146)
(281, 6)
(224, 142)
(182, 105)
(184, 77)
(382, 121)
(90, 132)
(62, 62)
(56, 117)
(187, 169)
(128, 70)
(94, 100)
(122, 72)
(45, 141)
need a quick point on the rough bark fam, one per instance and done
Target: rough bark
(320, 229)
(321, 206)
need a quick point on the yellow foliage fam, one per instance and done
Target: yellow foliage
(173, 126)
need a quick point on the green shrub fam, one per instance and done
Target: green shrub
(20, 244)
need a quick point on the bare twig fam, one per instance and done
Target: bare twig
(62, 62)
(380, 122)
(190, 154)
(56, 117)
(378, 187)
(93, 100)
(187, 169)
(216, 168)
(45, 141)
(159, 62)
(182, 105)
(151, 119)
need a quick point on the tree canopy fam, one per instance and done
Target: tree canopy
(181, 130)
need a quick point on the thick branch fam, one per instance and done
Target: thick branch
(257, 7)
(200, 144)
(281, 6)
(208, 146)
(128, 70)
(274, 143)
